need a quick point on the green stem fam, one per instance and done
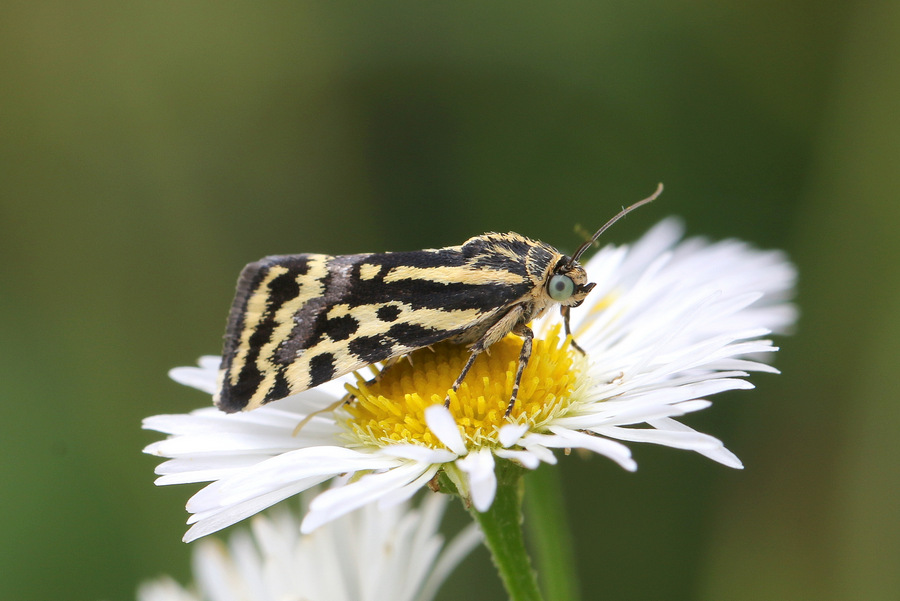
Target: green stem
(549, 534)
(501, 526)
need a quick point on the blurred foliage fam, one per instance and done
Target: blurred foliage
(149, 150)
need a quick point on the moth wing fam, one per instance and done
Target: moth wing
(267, 291)
(300, 320)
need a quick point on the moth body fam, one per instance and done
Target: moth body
(298, 321)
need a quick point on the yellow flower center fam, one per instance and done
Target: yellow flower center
(391, 408)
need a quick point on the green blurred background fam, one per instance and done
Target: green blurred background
(151, 149)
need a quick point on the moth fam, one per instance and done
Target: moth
(300, 320)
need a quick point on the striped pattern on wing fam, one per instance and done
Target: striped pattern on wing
(300, 320)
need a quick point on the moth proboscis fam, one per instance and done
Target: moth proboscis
(300, 320)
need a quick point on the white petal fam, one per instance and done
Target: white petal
(183, 471)
(212, 521)
(336, 502)
(407, 491)
(722, 455)
(286, 468)
(264, 420)
(563, 438)
(195, 377)
(743, 365)
(209, 362)
(690, 440)
(479, 467)
(227, 443)
(533, 446)
(719, 454)
(639, 413)
(164, 589)
(419, 453)
(440, 421)
(511, 433)
(527, 459)
(370, 555)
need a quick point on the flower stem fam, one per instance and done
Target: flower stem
(549, 534)
(501, 525)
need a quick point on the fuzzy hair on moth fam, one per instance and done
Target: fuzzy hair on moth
(300, 320)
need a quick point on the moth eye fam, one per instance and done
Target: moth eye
(561, 287)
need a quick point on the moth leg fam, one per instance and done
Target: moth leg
(565, 313)
(462, 374)
(501, 328)
(524, 355)
(344, 399)
(389, 363)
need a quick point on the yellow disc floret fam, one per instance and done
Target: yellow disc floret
(391, 408)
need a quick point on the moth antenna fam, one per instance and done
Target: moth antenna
(606, 225)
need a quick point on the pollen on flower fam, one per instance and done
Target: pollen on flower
(391, 408)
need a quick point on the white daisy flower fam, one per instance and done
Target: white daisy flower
(668, 324)
(370, 555)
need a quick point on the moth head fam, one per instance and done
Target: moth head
(568, 283)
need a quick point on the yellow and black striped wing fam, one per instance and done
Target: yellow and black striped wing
(300, 320)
